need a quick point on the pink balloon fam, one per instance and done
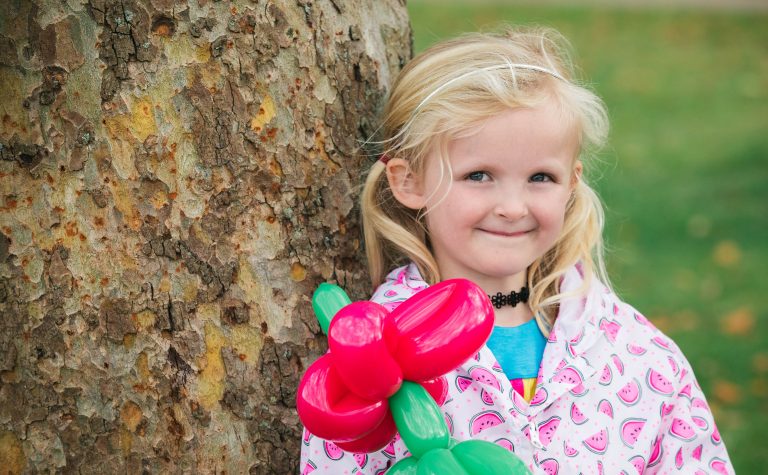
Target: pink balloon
(329, 410)
(441, 327)
(437, 388)
(359, 352)
(377, 439)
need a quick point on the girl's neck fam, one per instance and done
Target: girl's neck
(512, 316)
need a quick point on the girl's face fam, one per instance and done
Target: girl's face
(503, 205)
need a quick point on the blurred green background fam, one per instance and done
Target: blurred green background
(684, 179)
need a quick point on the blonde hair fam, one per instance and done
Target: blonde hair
(444, 93)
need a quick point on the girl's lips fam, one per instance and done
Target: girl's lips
(504, 233)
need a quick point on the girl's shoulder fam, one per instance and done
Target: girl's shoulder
(400, 284)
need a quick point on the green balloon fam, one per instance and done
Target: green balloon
(404, 467)
(479, 457)
(419, 420)
(326, 301)
(439, 462)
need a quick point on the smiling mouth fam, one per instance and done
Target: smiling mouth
(505, 233)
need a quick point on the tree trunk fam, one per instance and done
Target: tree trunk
(176, 180)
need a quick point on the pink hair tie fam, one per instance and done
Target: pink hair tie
(384, 158)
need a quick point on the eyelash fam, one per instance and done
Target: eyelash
(475, 174)
(547, 177)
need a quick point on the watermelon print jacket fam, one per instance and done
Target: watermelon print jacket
(614, 396)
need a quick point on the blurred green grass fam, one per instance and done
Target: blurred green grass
(684, 179)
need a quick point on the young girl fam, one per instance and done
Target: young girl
(486, 139)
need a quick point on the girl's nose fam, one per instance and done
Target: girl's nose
(511, 205)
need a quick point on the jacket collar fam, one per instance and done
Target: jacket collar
(572, 354)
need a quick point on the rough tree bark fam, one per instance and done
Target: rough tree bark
(176, 178)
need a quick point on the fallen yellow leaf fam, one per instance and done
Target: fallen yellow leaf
(727, 392)
(739, 322)
(760, 362)
(727, 254)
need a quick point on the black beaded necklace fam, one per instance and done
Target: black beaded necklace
(512, 299)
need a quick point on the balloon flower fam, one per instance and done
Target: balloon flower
(382, 375)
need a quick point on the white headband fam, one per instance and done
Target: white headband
(503, 65)
(510, 66)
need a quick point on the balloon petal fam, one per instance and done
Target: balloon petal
(440, 462)
(326, 301)
(407, 466)
(480, 457)
(441, 327)
(419, 420)
(437, 388)
(375, 440)
(360, 353)
(327, 408)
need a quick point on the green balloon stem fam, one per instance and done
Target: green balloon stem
(326, 301)
(418, 419)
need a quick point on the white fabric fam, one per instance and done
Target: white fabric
(614, 395)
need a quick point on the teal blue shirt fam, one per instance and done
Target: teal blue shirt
(519, 349)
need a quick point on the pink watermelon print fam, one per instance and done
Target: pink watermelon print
(630, 430)
(539, 397)
(682, 430)
(699, 404)
(630, 393)
(686, 391)
(598, 442)
(308, 468)
(463, 382)
(332, 451)
(506, 443)
(484, 420)
(661, 342)
(486, 397)
(716, 436)
(666, 409)
(361, 459)
(656, 452)
(607, 376)
(497, 367)
(618, 364)
(389, 450)
(642, 320)
(636, 349)
(550, 466)
(305, 436)
(569, 451)
(673, 364)
(576, 415)
(482, 375)
(679, 458)
(547, 430)
(700, 422)
(390, 293)
(659, 383)
(448, 422)
(719, 466)
(696, 454)
(639, 463)
(605, 407)
(610, 329)
(568, 375)
(560, 365)
(579, 390)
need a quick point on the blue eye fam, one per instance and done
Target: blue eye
(477, 176)
(541, 178)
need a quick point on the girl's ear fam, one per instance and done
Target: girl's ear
(405, 185)
(578, 168)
